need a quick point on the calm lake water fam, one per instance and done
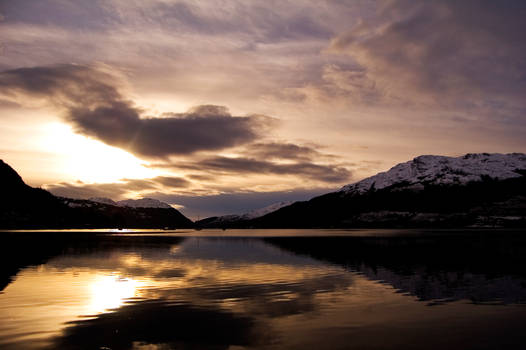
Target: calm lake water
(263, 289)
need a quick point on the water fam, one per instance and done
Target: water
(263, 289)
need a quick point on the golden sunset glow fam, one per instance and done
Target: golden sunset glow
(256, 103)
(90, 160)
(110, 292)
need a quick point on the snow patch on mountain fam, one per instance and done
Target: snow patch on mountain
(143, 203)
(253, 214)
(103, 200)
(266, 210)
(132, 203)
(441, 170)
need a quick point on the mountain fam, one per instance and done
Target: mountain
(132, 203)
(227, 221)
(256, 213)
(103, 200)
(23, 206)
(428, 191)
(143, 203)
(439, 170)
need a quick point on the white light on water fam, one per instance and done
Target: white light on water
(111, 292)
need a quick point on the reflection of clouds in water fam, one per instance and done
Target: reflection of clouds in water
(191, 290)
(244, 275)
(238, 264)
(221, 293)
(42, 300)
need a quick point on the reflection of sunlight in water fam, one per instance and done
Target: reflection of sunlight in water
(111, 292)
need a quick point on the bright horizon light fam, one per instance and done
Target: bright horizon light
(90, 160)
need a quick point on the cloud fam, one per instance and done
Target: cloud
(463, 55)
(262, 23)
(95, 107)
(303, 168)
(281, 150)
(266, 159)
(117, 190)
(325, 173)
(170, 181)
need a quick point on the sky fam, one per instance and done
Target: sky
(221, 107)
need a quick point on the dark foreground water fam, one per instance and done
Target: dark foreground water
(275, 289)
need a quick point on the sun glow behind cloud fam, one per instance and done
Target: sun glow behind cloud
(90, 160)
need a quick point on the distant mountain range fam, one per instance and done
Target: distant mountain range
(478, 190)
(242, 219)
(22, 206)
(475, 190)
(132, 203)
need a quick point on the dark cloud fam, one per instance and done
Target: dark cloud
(95, 107)
(170, 181)
(240, 165)
(278, 150)
(116, 190)
(466, 55)
(120, 125)
(201, 177)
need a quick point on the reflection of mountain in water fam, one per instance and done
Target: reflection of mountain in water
(223, 293)
(483, 267)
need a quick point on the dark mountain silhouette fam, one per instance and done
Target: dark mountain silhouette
(23, 206)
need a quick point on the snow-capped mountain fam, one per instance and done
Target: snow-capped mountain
(441, 170)
(143, 203)
(103, 200)
(256, 213)
(429, 191)
(132, 203)
(235, 218)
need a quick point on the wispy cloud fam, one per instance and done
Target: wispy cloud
(459, 55)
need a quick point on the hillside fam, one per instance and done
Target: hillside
(24, 207)
(428, 191)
